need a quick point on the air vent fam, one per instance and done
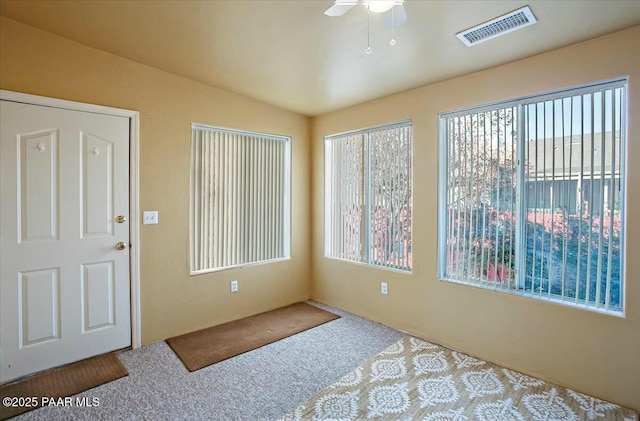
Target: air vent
(499, 26)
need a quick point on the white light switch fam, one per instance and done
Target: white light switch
(150, 217)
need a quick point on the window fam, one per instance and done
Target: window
(368, 196)
(531, 196)
(240, 206)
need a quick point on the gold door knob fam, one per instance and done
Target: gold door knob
(121, 245)
(120, 219)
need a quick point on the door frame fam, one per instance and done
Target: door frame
(134, 181)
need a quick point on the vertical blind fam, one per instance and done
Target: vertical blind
(368, 202)
(346, 197)
(572, 200)
(480, 196)
(531, 197)
(240, 207)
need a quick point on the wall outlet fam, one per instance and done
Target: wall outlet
(234, 286)
(384, 288)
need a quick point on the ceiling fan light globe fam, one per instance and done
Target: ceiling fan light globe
(380, 6)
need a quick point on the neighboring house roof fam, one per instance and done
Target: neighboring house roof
(564, 157)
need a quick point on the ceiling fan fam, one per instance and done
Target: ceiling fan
(395, 18)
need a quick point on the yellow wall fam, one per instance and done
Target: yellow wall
(593, 353)
(173, 302)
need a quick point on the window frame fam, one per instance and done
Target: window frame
(367, 224)
(286, 197)
(520, 103)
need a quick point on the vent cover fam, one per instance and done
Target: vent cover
(499, 26)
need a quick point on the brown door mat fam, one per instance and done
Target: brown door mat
(62, 382)
(214, 344)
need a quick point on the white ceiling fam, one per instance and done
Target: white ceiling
(290, 54)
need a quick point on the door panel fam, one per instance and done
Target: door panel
(38, 185)
(64, 287)
(98, 305)
(38, 295)
(97, 186)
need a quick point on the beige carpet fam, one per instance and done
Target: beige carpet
(417, 380)
(214, 344)
(64, 382)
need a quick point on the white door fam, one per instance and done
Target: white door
(64, 284)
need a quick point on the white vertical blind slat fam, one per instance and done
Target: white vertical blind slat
(590, 197)
(242, 208)
(234, 204)
(206, 202)
(253, 239)
(601, 213)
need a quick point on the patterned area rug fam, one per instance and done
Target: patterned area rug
(417, 380)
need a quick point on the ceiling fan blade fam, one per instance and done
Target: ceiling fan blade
(339, 8)
(395, 17)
